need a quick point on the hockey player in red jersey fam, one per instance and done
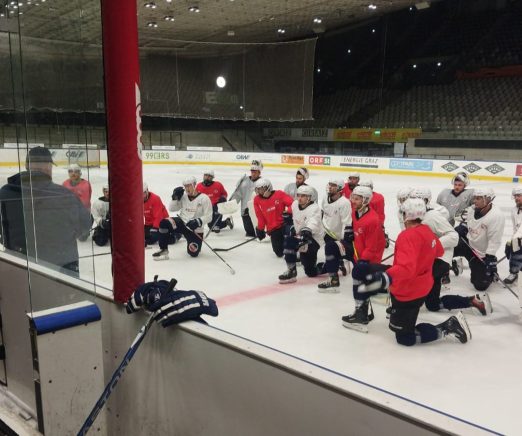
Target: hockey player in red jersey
(377, 201)
(409, 280)
(78, 185)
(353, 181)
(272, 208)
(217, 194)
(153, 212)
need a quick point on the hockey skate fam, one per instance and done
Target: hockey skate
(511, 278)
(456, 326)
(457, 266)
(229, 222)
(342, 268)
(330, 286)
(161, 255)
(360, 319)
(482, 303)
(290, 276)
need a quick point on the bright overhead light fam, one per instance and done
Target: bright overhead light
(194, 9)
(281, 30)
(373, 30)
(221, 82)
(414, 65)
(168, 18)
(318, 70)
(150, 5)
(169, 1)
(372, 6)
(318, 20)
(152, 24)
(439, 64)
(349, 51)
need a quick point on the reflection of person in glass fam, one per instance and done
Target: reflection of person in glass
(102, 217)
(40, 218)
(78, 185)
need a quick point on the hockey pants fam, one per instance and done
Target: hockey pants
(479, 278)
(169, 234)
(308, 257)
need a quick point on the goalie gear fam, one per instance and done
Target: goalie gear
(461, 177)
(304, 172)
(256, 165)
(228, 208)
(413, 209)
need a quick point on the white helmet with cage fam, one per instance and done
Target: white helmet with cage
(256, 165)
(364, 192)
(413, 209)
(304, 172)
(487, 193)
(262, 186)
(190, 181)
(403, 194)
(337, 182)
(424, 193)
(461, 177)
(517, 190)
(305, 190)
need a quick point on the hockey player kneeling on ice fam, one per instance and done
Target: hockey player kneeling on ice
(153, 212)
(449, 239)
(409, 280)
(102, 217)
(171, 306)
(301, 177)
(337, 222)
(217, 194)
(304, 237)
(362, 241)
(194, 212)
(402, 195)
(480, 238)
(458, 199)
(272, 208)
(513, 248)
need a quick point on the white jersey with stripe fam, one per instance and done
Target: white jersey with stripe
(308, 218)
(485, 233)
(189, 209)
(336, 216)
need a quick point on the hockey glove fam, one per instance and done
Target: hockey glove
(348, 236)
(464, 215)
(178, 306)
(261, 234)
(462, 230)
(305, 238)
(491, 265)
(194, 224)
(287, 219)
(375, 282)
(222, 200)
(508, 251)
(178, 193)
(105, 224)
(148, 293)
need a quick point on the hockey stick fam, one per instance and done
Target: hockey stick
(238, 185)
(92, 255)
(235, 246)
(119, 371)
(496, 274)
(387, 257)
(232, 271)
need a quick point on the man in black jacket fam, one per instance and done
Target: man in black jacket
(41, 219)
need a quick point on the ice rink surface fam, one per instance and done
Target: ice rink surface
(478, 382)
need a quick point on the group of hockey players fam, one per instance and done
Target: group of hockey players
(349, 225)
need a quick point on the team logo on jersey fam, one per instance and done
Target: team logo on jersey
(433, 243)
(193, 247)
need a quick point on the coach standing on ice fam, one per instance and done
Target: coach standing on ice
(40, 218)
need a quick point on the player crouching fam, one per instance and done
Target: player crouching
(194, 212)
(303, 237)
(409, 280)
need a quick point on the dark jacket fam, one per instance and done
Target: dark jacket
(42, 219)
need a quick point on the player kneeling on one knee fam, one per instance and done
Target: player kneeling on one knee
(513, 248)
(409, 280)
(304, 237)
(194, 212)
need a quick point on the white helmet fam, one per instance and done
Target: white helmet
(364, 192)
(338, 182)
(106, 188)
(368, 183)
(190, 181)
(424, 193)
(516, 191)
(413, 209)
(75, 168)
(305, 190)
(488, 193)
(145, 187)
(256, 165)
(208, 172)
(304, 172)
(403, 194)
(462, 177)
(263, 183)
(354, 174)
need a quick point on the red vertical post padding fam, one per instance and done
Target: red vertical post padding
(123, 109)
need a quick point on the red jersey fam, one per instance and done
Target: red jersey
(82, 190)
(214, 191)
(415, 251)
(347, 191)
(269, 211)
(154, 210)
(368, 236)
(377, 204)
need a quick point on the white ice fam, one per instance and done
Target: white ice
(477, 382)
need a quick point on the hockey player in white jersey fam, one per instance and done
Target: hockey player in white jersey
(244, 193)
(305, 236)
(102, 218)
(449, 239)
(301, 177)
(480, 238)
(458, 199)
(513, 248)
(194, 213)
(337, 220)
(425, 194)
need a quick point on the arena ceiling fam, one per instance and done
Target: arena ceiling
(199, 20)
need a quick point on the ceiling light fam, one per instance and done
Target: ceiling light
(373, 30)
(150, 5)
(230, 33)
(281, 30)
(411, 8)
(169, 1)
(194, 9)
(414, 65)
(152, 24)
(349, 51)
(318, 70)
(221, 82)
(241, 107)
(439, 64)
(168, 18)
(372, 6)
(318, 20)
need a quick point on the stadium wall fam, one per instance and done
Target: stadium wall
(479, 170)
